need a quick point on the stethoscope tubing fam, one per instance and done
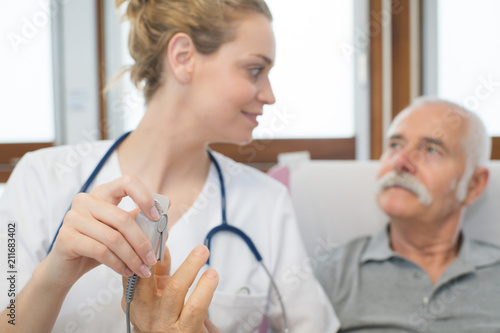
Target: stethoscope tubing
(91, 178)
(224, 226)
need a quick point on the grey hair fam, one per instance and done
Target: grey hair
(476, 142)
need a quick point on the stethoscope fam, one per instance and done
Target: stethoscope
(224, 226)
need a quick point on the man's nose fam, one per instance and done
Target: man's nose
(405, 161)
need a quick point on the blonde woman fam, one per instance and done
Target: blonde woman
(203, 66)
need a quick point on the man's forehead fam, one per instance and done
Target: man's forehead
(429, 127)
(429, 121)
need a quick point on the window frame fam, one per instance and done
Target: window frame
(263, 153)
(11, 153)
(401, 94)
(428, 23)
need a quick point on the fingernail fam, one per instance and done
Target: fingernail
(128, 272)
(212, 273)
(200, 250)
(150, 258)
(154, 213)
(145, 272)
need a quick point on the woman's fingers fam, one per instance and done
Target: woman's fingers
(122, 224)
(79, 245)
(131, 186)
(196, 309)
(117, 241)
(116, 228)
(177, 286)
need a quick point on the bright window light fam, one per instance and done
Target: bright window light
(26, 90)
(468, 57)
(313, 79)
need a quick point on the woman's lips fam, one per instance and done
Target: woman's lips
(252, 117)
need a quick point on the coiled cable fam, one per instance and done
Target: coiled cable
(129, 296)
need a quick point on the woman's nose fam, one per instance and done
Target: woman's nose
(266, 94)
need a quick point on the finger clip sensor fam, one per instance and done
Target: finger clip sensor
(156, 231)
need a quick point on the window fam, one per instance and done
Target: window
(468, 67)
(26, 66)
(313, 80)
(26, 91)
(461, 60)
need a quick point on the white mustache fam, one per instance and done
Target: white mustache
(407, 182)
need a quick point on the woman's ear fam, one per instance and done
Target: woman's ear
(180, 56)
(477, 184)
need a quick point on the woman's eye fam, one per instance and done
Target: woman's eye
(255, 71)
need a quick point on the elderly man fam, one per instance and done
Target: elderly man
(420, 273)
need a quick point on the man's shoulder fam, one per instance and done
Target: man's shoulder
(483, 253)
(344, 258)
(480, 244)
(354, 247)
(337, 270)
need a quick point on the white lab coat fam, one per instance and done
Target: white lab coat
(44, 183)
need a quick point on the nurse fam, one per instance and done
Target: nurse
(203, 66)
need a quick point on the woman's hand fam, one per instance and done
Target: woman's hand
(95, 231)
(158, 303)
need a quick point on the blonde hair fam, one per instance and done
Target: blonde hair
(154, 22)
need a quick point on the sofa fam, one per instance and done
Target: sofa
(335, 201)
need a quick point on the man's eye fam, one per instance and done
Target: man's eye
(431, 150)
(393, 145)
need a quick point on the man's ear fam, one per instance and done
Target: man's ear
(180, 56)
(477, 184)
